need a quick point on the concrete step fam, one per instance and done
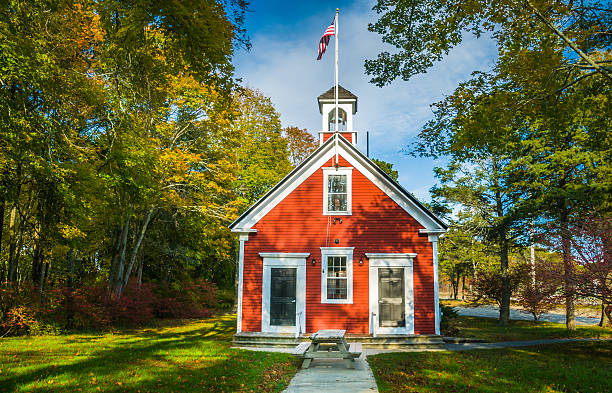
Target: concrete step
(368, 342)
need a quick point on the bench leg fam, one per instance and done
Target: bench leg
(350, 363)
(306, 363)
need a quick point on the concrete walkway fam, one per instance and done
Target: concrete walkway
(493, 312)
(511, 344)
(332, 376)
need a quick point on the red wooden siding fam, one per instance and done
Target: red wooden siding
(377, 225)
(347, 135)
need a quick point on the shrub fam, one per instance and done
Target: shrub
(449, 319)
(187, 300)
(488, 283)
(543, 295)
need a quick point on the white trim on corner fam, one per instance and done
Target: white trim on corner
(433, 236)
(348, 171)
(337, 251)
(436, 284)
(376, 261)
(243, 234)
(284, 260)
(240, 285)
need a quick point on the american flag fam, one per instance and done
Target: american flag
(330, 31)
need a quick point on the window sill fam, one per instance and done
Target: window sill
(336, 301)
(326, 213)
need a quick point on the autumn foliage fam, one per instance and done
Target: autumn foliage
(24, 311)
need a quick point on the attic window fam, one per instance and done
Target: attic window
(337, 191)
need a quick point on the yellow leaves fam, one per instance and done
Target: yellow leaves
(69, 232)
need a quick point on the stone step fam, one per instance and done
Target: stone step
(368, 342)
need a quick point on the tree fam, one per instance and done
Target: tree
(112, 115)
(387, 167)
(425, 31)
(300, 143)
(263, 155)
(541, 111)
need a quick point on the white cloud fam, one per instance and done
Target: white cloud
(284, 67)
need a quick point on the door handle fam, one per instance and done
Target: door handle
(293, 301)
(380, 301)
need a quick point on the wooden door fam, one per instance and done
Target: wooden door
(282, 296)
(391, 297)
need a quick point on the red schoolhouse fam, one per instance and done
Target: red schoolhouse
(338, 244)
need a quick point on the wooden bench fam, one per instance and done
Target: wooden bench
(328, 344)
(301, 349)
(355, 349)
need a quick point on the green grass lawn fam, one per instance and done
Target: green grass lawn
(572, 367)
(487, 329)
(183, 357)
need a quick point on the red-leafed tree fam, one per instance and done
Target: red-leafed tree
(540, 290)
(590, 273)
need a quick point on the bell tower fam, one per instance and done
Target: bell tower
(347, 107)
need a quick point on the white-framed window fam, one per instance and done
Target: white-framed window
(337, 191)
(337, 275)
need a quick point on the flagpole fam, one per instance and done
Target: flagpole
(336, 85)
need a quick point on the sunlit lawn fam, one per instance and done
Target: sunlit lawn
(487, 329)
(571, 367)
(183, 357)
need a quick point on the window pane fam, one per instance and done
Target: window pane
(336, 288)
(336, 202)
(336, 266)
(336, 183)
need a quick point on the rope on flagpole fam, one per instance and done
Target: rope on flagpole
(336, 89)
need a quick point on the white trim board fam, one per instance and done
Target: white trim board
(337, 251)
(316, 161)
(284, 260)
(376, 261)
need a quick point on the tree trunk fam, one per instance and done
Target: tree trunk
(12, 259)
(504, 307)
(143, 230)
(566, 246)
(140, 272)
(121, 263)
(2, 206)
(70, 263)
(463, 288)
(504, 310)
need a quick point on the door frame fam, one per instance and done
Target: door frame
(284, 260)
(386, 260)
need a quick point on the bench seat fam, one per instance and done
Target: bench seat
(301, 349)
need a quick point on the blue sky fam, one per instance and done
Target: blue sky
(282, 64)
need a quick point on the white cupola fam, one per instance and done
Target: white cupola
(347, 107)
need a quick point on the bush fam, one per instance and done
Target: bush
(24, 310)
(545, 295)
(449, 320)
(488, 282)
(186, 300)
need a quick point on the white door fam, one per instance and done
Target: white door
(391, 293)
(283, 305)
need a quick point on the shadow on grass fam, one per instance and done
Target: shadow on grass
(575, 367)
(185, 358)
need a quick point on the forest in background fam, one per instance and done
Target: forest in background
(526, 144)
(127, 147)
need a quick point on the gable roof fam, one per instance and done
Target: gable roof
(316, 160)
(342, 94)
